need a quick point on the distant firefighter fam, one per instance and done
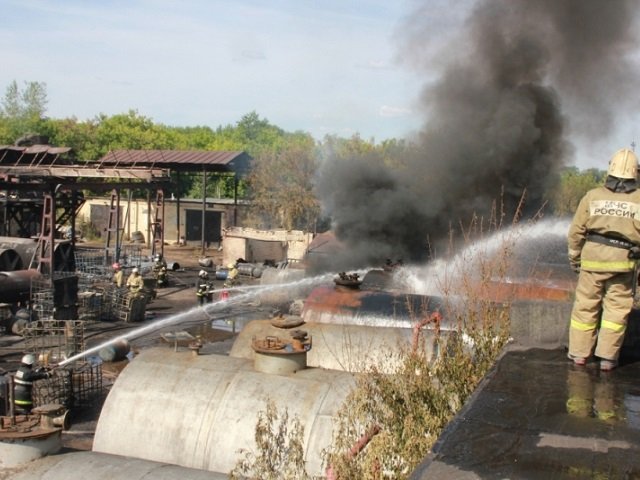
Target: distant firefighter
(135, 283)
(118, 275)
(232, 275)
(160, 271)
(203, 288)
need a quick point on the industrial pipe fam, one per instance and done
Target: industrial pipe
(15, 286)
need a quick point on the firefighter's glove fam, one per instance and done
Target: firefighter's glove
(575, 265)
(634, 253)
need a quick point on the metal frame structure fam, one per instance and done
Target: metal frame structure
(53, 188)
(54, 195)
(235, 163)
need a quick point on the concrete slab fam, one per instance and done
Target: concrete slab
(536, 415)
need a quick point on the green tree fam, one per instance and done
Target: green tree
(68, 132)
(22, 111)
(132, 131)
(281, 185)
(572, 187)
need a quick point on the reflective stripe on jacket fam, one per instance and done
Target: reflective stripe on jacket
(610, 214)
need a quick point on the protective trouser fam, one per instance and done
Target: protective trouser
(599, 317)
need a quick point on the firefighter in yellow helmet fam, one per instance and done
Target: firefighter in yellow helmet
(603, 241)
(232, 275)
(135, 282)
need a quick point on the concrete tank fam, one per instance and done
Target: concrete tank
(198, 411)
(100, 466)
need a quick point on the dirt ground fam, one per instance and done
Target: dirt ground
(178, 297)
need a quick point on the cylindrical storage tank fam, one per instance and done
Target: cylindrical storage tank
(338, 305)
(101, 466)
(115, 351)
(27, 443)
(211, 404)
(245, 269)
(17, 325)
(221, 274)
(257, 272)
(25, 247)
(272, 276)
(280, 364)
(15, 286)
(10, 260)
(205, 262)
(352, 348)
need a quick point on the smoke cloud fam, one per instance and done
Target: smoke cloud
(497, 123)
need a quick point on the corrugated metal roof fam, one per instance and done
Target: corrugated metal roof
(33, 155)
(145, 157)
(36, 149)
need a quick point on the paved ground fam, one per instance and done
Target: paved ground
(537, 416)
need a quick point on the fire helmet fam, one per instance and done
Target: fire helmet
(116, 266)
(202, 273)
(231, 265)
(28, 359)
(623, 164)
(135, 270)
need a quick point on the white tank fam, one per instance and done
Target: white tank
(199, 411)
(352, 348)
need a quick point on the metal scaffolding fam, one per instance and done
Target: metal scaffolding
(75, 387)
(54, 340)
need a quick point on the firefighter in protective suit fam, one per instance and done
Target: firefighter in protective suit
(24, 378)
(603, 241)
(203, 288)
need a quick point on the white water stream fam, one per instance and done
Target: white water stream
(432, 278)
(254, 293)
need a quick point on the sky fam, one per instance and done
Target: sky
(324, 67)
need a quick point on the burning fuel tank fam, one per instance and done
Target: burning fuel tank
(376, 308)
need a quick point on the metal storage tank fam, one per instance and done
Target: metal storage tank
(100, 466)
(197, 411)
(376, 308)
(352, 348)
(10, 260)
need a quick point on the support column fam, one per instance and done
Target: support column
(178, 208)
(204, 205)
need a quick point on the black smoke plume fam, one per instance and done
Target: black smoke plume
(494, 128)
